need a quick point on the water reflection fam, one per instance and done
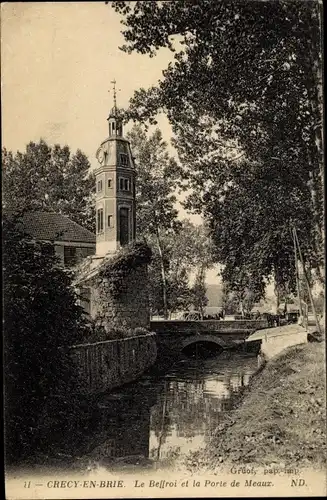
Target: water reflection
(146, 424)
(192, 404)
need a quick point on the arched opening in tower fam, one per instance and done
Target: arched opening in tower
(123, 226)
(202, 349)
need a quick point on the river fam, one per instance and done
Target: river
(151, 423)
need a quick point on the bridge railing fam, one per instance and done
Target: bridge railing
(221, 326)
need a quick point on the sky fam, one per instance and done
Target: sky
(58, 61)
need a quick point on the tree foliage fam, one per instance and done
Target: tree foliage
(157, 173)
(155, 199)
(50, 179)
(239, 301)
(40, 316)
(186, 252)
(198, 291)
(178, 247)
(244, 98)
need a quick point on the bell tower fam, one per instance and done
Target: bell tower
(115, 188)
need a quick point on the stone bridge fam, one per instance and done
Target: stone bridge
(174, 337)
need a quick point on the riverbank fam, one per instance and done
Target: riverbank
(279, 420)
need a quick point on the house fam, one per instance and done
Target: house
(71, 242)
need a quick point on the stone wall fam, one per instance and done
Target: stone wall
(130, 308)
(102, 366)
(119, 305)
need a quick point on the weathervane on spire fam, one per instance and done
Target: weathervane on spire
(115, 95)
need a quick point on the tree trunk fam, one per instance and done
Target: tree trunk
(163, 276)
(313, 57)
(277, 290)
(242, 309)
(162, 422)
(202, 279)
(297, 275)
(306, 277)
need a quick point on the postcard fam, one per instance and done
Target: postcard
(163, 242)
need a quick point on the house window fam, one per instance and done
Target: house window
(109, 220)
(100, 220)
(109, 183)
(124, 184)
(99, 186)
(124, 159)
(85, 251)
(70, 257)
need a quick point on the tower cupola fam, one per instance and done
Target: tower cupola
(114, 119)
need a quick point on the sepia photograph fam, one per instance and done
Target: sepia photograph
(163, 237)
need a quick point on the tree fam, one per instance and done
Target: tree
(192, 252)
(244, 99)
(187, 251)
(198, 291)
(178, 246)
(40, 316)
(239, 300)
(155, 198)
(49, 179)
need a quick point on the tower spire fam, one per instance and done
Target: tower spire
(115, 95)
(114, 118)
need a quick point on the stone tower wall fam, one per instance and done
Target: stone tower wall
(129, 308)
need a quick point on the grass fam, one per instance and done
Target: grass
(281, 418)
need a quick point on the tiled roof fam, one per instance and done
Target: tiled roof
(55, 227)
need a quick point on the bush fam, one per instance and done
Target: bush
(96, 333)
(40, 315)
(117, 268)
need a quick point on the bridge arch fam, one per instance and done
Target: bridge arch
(203, 338)
(203, 345)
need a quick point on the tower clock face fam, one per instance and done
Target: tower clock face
(100, 155)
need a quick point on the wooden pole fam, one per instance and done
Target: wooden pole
(297, 273)
(307, 283)
(162, 421)
(306, 315)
